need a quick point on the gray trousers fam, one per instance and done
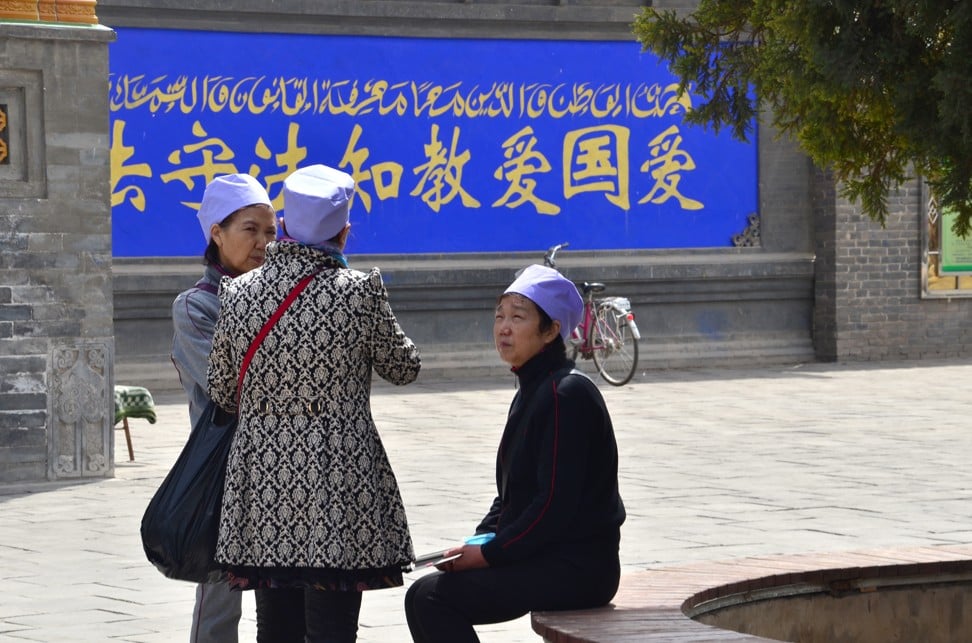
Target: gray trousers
(216, 616)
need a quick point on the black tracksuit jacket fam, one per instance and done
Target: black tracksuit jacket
(556, 469)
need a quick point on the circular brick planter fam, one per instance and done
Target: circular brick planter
(928, 602)
(920, 594)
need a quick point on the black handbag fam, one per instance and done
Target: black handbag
(180, 526)
(181, 523)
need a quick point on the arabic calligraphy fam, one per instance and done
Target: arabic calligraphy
(296, 96)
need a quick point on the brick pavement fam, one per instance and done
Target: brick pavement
(715, 465)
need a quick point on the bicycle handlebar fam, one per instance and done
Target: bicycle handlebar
(549, 258)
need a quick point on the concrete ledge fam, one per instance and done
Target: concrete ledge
(475, 361)
(660, 604)
(579, 19)
(439, 363)
(694, 308)
(59, 31)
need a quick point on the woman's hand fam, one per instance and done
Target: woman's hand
(472, 558)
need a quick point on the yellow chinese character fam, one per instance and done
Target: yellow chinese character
(386, 176)
(119, 154)
(596, 160)
(666, 163)
(288, 160)
(522, 161)
(208, 169)
(444, 170)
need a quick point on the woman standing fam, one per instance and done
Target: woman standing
(237, 223)
(550, 540)
(311, 514)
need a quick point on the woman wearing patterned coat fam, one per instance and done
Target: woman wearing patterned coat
(311, 513)
(237, 221)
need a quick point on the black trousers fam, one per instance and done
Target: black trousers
(299, 615)
(444, 607)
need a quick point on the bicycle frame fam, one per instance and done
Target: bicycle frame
(581, 337)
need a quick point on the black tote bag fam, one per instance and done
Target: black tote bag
(180, 526)
(181, 523)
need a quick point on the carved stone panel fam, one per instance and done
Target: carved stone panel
(751, 235)
(81, 413)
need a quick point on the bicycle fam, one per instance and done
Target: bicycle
(607, 333)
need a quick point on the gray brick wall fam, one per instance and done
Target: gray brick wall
(55, 239)
(877, 309)
(822, 198)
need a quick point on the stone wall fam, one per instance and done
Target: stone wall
(696, 307)
(815, 280)
(811, 279)
(823, 200)
(56, 308)
(869, 303)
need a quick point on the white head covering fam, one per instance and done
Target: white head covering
(225, 195)
(553, 293)
(316, 203)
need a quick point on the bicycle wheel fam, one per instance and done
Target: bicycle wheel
(615, 350)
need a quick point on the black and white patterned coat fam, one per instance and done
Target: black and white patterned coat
(308, 482)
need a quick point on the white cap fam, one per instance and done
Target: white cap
(225, 195)
(317, 200)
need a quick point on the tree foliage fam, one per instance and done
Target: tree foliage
(875, 90)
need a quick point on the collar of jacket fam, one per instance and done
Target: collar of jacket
(286, 250)
(214, 272)
(548, 360)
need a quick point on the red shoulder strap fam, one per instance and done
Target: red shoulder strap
(255, 344)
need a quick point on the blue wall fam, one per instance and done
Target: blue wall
(456, 145)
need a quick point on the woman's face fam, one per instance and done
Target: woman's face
(243, 239)
(516, 330)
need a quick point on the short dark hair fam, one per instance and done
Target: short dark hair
(211, 255)
(546, 323)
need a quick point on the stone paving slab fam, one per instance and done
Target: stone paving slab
(715, 465)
